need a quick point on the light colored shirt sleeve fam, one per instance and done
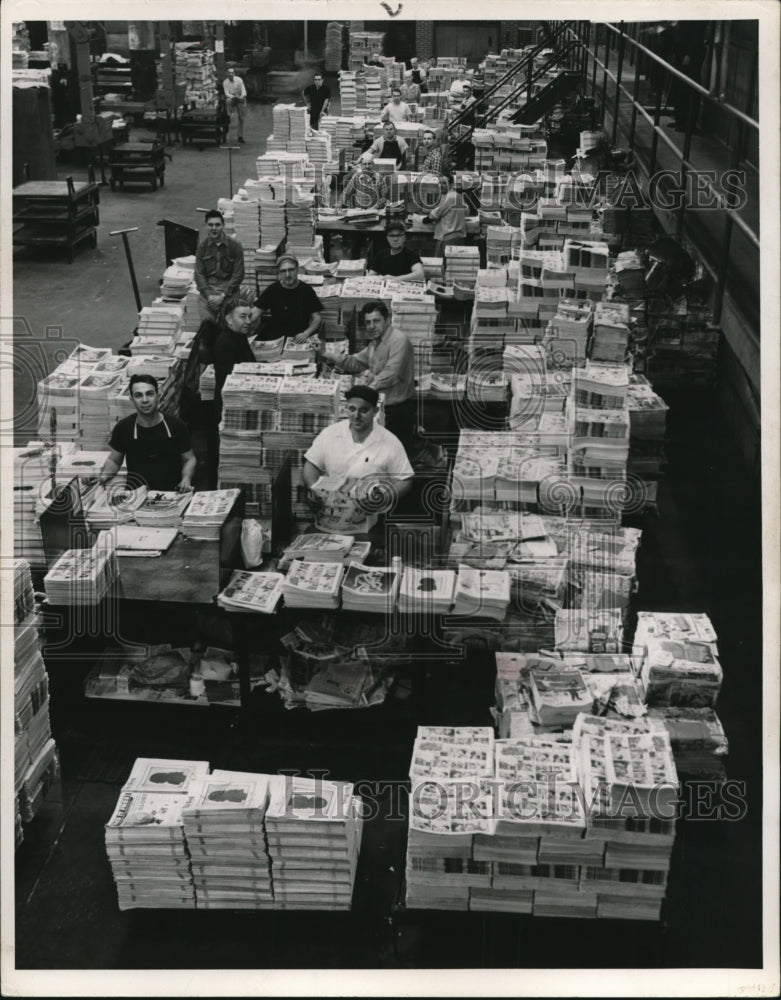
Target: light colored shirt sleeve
(355, 363)
(317, 453)
(391, 372)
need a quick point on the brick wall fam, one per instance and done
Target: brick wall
(424, 39)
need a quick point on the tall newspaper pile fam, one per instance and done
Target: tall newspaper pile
(83, 576)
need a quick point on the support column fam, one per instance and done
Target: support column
(424, 39)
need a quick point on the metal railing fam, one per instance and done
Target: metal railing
(524, 65)
(616, 45)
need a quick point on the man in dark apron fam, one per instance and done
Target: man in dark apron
(156, 448)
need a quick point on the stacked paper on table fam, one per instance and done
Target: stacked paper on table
(482, 592)
(312, 584)
(163, 509)
(370, 588)
(83, 576)
(426, 591)
(259, 592)
(207, 512)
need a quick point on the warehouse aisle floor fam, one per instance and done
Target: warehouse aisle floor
(701, 553)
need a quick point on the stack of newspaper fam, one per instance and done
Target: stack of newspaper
(698, 741)
(163, 509)
(427, 591)
(370, 588)
(318, 547)
(680, 659)
(559, 695)
(32, 469)
(83, 576)
(313, 584)
(145, 838)
(35, 759)
(115, 505)
(636, 841)
(610, 340)
(313, 832)
(206, 513)
(461, 265)
(447, 763)
(586, 630)
(259, 592)
(482, 592)
(223, 826)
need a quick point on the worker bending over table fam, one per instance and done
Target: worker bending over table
(449, 216)
(397, 259)
(156, 448)
(289, 307)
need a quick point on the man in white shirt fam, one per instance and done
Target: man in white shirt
(235, 98)
(396, 110)
(368, 458)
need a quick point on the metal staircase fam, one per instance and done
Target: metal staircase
(525, 75)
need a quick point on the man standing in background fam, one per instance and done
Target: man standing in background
(235, 98)
(317, 98)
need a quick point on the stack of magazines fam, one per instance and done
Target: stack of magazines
(370, 588)
(259, 592)
(318, 547)
(680, 659)
(698, 740)
(145, 838)
(207, 512)
(482, 592)
(223, 824)
(163, 509)
(313, 584)
(559, 695)
(83, 576)
(313, 831)
(116, 505)
(427, 591)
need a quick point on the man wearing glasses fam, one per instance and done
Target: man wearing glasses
(290, 307)
(398, 260)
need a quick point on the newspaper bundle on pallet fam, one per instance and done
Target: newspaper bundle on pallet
(680, 659)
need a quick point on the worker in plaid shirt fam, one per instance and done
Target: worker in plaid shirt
(429, 154)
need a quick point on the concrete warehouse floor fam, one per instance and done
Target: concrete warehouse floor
(701, 553)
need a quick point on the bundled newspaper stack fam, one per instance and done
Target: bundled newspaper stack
(162, 509)
(258, 592)
(622, 766)
(207, 512)
(461, 265)
(265, 265)
(647, 429)
(680, 659)
(94, 391)
(145, 839)
(300, 220)
(83, 576)
(313, 831)
(448, 763)
(415, 315)
(318, 547)
(116, 505)
(223, 823)
(343, 683)
(698, 741)
(333, 46)
(32, 469)
(306, 406)
(370, 588)
(610, 340)
(427, 591)
(313, 584)
(585, 630)
(58, 393)
(35, 753)
(558, 695)
(272, 223)
(176, 281)
(246, 220)
(567, 339)
(484, 593)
